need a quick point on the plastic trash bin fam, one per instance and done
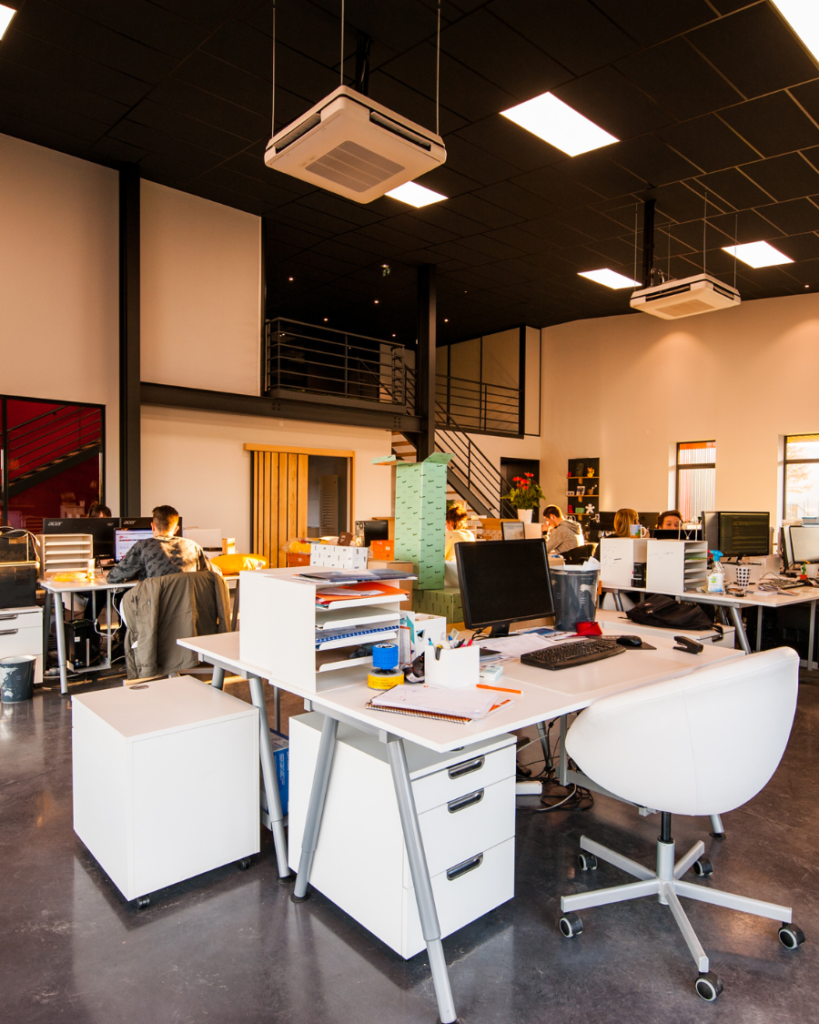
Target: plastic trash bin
(575, 595)
(17, 678)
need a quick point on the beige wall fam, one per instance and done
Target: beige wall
(196, 462)
(649, 383)
(59, 283)
(201, 292)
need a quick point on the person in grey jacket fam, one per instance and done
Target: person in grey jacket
(563, 533)
(163, 554)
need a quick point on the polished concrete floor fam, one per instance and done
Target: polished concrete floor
(231, 947)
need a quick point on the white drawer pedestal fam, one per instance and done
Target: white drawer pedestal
(466, 809)
(21, 632)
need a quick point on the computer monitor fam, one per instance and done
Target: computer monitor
(606, 524)
(513, 531)
(144, 523)
(504, 583)
(102, 530)
(124, 540)
(804, 544)
(648, 519)
(744, 533)
(684, 533)
(374, 529)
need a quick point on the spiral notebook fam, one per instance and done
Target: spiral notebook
(421, 701)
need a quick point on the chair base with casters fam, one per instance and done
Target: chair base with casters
(667, 885)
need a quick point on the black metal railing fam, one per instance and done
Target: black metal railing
(321, 361)
(481, 482)
(37, 442)
(477, 406)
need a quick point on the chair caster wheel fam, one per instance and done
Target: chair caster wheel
(244, 864)
(587, 861)
(570, 925)
(142, 902)
(790, 936)
(703, 867)
(708, 986)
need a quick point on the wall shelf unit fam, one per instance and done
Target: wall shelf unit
(577, 477)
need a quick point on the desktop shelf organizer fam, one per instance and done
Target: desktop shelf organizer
(576, 503)
(65, 552)
(676, 565)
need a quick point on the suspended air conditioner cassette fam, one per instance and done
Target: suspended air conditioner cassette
(354, 147)
(686, 297)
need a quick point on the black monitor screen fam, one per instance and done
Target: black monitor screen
(503, 583)
(102, 530)
(375, 529)
(805, 543)
(606, 522)
(744, 533)
(144, 523)
(648, 519)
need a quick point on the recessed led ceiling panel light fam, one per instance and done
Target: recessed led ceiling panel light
(610, 278)
(556, 123)
(416, 195)
(758, 254)
(803, 18)
(6, 14)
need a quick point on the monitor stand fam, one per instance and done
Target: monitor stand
(499, 629)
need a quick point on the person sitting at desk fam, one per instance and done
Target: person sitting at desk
(455, 532)
(163, 554)
(563, 534)
(624, 519)
(671, 520)
(99, 511)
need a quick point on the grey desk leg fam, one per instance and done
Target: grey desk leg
(419, 871)
(315, 809)
(59, 629)
(108, 616)
(811, 635)
(47, 614)
(618, 601)
(563, 763)
(218, 680)
(759, 628)
(739, 626)
(235, 616)
(277, 709)
(544, 743)
(271, 786)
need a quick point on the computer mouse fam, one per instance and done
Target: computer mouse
(630, 641)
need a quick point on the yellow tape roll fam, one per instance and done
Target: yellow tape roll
(383, 680)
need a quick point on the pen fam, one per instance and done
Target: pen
(500, 689)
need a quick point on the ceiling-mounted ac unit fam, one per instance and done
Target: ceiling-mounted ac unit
(686, 297)
(354, 147)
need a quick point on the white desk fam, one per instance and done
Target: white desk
(753, 599)
(546, 696)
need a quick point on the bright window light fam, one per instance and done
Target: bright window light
(552, 120)
(610, 278)
(6, 14)
(803, 18)
(416, 195)
(758, 254)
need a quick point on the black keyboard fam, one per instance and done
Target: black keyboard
(578, 652)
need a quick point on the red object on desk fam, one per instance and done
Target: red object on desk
(589, 629)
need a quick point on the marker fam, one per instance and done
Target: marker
(500, 689)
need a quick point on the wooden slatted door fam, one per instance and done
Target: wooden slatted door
(279, 505)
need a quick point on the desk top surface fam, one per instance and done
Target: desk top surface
(752, 599)
(546, 694)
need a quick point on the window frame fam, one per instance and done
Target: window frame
(792, 462)
(711, 443)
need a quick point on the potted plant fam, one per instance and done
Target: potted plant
(525, 496)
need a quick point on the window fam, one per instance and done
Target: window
(696, 478)
(801, 476)
(52, 456)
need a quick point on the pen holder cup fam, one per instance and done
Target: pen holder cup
(743, 576)
(453, 669)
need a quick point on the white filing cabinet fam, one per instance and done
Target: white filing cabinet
(466, 809)
(166, 781)
(617, 558)
(21, 632)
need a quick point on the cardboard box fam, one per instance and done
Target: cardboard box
(334, 556)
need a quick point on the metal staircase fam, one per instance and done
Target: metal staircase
(50, 443)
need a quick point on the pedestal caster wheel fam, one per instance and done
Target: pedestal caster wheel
(587, 861)
(244, 864)
(142, 902)
(703, 867)
(570, 925)
(708, 986)
(790, 936)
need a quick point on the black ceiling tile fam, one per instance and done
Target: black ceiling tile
(217, 194)
(792, 218)
(390, 236)
(179, 95)
(652, 161)
(266, 192)
(516, 200)
(602, 175)
(681, 203)
(107, 148)
(522, 240)
(507, 58)
(438, 215)
(338, 207)
(591, 223)
(785, 177)
(304, 27)
(798, 247)
(418, 256)
(42, 86)
(572, 32)
(807, 96)
(207, 13)
(649, 22)
(237, 43)
(732, 186)
(368, 244)
(617, 105)
(619, 251)
(499, 135)
(276, 232)
(398, 25)
(691, 234)
(679, 79)
(552, 233)
(463, 252)
(53, 23)
(421, 229)
(228, 82)
(412, 104)
(563, 192)
(579, 258)
(307, 272)
(143, 21)
(775, 280)
(745, 226)
(447, 181)
(773, 124)
(493, 247)
(755, 50)
(54, 136)
(319, 261)
(478, 164)
(805, 273)
(479, 209)
(708, 142)
(186, 128)
(316, 219)
(278, 257)
(41, 110)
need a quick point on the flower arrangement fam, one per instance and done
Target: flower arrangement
(526, 492)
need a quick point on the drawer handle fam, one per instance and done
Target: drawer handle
(465, 801)
(466, 767)
(464, 867)
(8, 632)
(6, 618)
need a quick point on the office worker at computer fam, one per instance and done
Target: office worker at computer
(671, 520)
(99, 511)
(624, 519)
(563, 534)
(455, 531)
(162, 554)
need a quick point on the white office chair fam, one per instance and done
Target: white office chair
(702, 744)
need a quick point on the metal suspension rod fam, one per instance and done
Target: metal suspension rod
(273, 96)
(341, 62)
(438, 76)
